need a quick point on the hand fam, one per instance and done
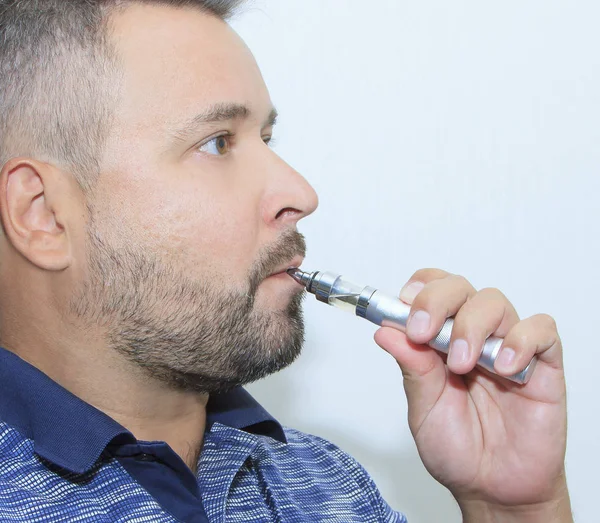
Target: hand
(492, 442)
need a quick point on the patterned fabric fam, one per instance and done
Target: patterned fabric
(259, 472)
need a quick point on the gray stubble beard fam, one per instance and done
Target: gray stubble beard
(189, 335)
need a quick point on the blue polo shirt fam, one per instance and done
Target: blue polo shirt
(62, 460)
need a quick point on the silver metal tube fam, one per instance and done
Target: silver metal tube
(389, 311)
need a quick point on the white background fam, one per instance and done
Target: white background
(462, 135)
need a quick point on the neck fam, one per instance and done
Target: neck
(178, 420)
(91, 371)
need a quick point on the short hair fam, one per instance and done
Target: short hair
(56, 68)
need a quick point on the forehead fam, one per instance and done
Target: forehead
(177, 62)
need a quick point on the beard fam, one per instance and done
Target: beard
(190, 335)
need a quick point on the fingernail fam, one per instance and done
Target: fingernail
(459, 353)
(418, 324)
(409, 293)
(505, 360)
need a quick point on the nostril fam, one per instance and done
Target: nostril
(288, 211)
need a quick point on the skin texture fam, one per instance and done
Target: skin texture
(86, 282)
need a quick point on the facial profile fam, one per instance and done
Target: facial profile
(180, 280)
(171, 248)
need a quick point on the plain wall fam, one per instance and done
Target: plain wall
(461, 135)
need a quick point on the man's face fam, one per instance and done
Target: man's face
(193, 211)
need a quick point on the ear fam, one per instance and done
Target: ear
(29, 195)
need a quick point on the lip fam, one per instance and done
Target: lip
(295, 262)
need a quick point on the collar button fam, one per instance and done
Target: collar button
(145, 457)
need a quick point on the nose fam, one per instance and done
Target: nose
(288, 197)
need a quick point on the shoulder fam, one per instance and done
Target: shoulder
(309, 444)
(22, 484)
(14, 449)
(340, 467)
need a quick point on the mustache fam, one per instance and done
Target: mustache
(290, 245)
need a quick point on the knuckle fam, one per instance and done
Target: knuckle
(465, 286)
(461, 280)
(427, 275)
(493, 293)
(548, 321)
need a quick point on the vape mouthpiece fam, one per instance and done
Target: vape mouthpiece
(303, 278)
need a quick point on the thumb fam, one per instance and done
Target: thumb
(423, 369)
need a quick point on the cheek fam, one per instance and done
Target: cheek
(205, 228)
(201, 232)
(215, 238)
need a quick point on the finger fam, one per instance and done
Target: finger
(423, 370)
(438, 300)
(536, 335)
(418, 280)
(487, 312)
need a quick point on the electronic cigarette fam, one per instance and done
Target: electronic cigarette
(389, 311)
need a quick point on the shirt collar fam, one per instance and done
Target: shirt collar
(73, 434)
(239, 410)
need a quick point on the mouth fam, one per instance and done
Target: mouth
(282, 270)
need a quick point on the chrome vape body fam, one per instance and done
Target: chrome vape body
(388, 311)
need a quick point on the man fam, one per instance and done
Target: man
(147, 227)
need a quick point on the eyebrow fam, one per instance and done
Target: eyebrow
(223, 112)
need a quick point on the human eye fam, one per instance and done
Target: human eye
(217, 146)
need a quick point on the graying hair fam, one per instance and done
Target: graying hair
(57, 70)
